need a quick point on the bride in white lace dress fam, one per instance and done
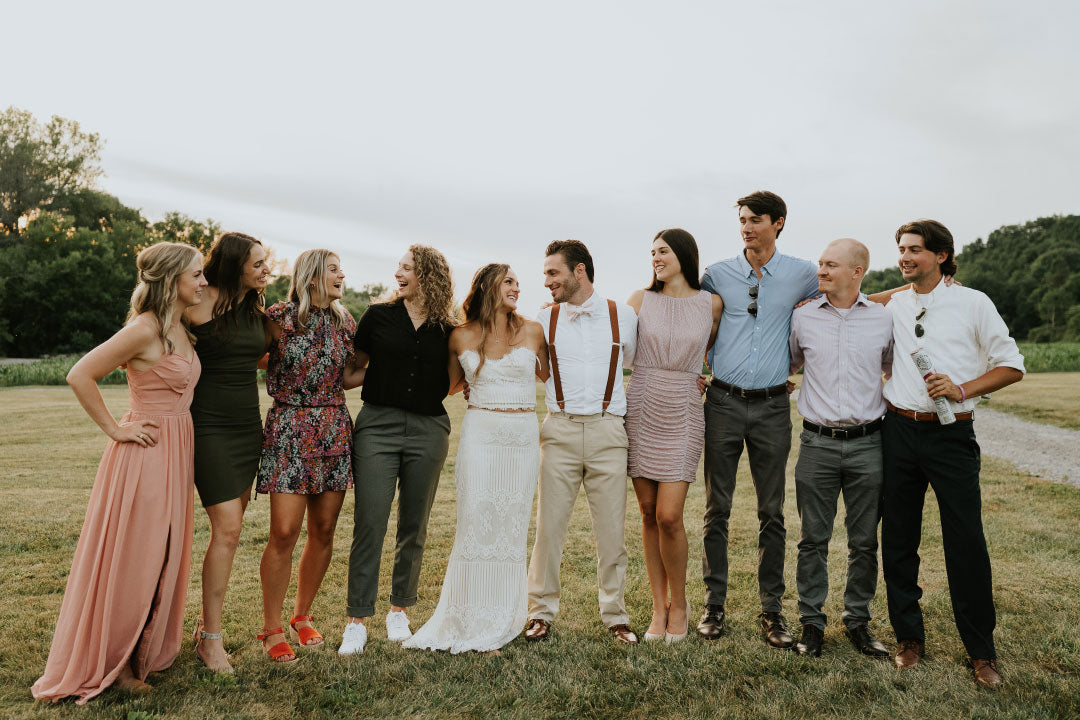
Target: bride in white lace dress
(483, 603)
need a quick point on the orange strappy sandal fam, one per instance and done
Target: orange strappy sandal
(281, 649)
(307, 636)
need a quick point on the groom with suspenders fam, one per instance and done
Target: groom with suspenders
(582, 441)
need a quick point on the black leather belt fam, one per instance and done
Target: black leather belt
(757, 394)
(844, 433)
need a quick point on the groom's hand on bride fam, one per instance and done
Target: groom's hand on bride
(702, 383)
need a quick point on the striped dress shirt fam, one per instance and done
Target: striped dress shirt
(843, 359)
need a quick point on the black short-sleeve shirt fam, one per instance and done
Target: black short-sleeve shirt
(408, 367)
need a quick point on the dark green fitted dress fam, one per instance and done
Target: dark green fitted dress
(225, 409)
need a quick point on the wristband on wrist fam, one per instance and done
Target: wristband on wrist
(963, 394)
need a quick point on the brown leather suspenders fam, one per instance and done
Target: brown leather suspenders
(613, 364)
(555, 358)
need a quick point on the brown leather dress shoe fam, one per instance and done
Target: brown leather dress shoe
(909, 654)
(711, 625)
(537, 630)
(775, 632)
(623, 634)
(986, 673)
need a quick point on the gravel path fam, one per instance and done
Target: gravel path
(1044, 450)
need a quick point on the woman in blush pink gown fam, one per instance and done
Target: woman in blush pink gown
(123, 610)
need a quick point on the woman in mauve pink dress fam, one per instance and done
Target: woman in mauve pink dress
(123, 610)
(665, 422)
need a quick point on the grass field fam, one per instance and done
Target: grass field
(48, 458)
(1040, 358)
(1051, 357)
(1052, 398)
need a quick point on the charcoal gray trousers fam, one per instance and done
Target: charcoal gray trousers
(826, 468)
(764, 427)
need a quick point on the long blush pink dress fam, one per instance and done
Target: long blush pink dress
(129, 577)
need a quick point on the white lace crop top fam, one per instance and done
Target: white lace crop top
(506, 383)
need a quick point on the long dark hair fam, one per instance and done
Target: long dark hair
(481, 305)
(684, 246)
(225, 271)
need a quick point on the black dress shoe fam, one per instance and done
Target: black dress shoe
(711, 625)
(811, 641)
(864, 642)
(775, 631)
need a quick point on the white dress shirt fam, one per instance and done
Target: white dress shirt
(583, 348)
(964, 336)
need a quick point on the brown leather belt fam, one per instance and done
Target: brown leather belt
(756, 394)
(843, 433)
(924, 416)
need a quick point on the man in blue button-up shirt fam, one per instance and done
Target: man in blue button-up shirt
(748, 403)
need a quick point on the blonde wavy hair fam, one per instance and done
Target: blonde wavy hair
(308, 283)
(435, 285)
(160, 266)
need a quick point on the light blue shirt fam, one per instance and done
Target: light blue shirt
(752, 352)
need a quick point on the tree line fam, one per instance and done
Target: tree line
(1030, 271)
(67, 251)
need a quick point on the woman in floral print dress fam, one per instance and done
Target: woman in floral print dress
(306, 464)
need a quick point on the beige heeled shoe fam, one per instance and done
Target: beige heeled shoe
(674, 638)
(653, 637)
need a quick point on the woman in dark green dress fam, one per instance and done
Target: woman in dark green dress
(231, 335)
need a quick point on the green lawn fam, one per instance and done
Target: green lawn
(49, 451)
(1052, 398)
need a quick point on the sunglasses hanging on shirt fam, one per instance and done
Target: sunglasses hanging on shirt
(919, 332)
(752, 291)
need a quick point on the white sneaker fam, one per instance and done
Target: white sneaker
(353, 639)
(397, 626)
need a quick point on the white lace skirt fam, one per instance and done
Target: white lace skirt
(484, 601)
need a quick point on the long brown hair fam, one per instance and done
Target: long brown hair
(481, 305)
(225, 271)
(160, 266)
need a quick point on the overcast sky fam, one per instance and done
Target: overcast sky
(487, 129)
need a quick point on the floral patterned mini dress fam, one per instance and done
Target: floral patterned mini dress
(307, 442)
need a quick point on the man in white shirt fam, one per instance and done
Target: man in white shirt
(582, 441)
(972, 354)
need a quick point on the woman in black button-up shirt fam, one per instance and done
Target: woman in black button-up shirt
(401, 434)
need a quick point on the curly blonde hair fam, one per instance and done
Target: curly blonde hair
(436, 285)
(160, 266)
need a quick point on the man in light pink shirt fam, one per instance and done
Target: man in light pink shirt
(844, 342)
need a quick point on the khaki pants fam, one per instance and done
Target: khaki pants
(578, 450)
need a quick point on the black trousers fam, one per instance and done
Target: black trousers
(945, 457)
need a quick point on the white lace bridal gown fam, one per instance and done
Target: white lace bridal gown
(483, 604)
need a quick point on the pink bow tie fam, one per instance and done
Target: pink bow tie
(575, 311)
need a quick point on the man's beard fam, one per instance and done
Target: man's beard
(569, 289)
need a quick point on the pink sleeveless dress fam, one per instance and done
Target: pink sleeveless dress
(128, 584)
(665, 420)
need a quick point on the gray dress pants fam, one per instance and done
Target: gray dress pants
(827, 467)
(764, 426)
(393, 450)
